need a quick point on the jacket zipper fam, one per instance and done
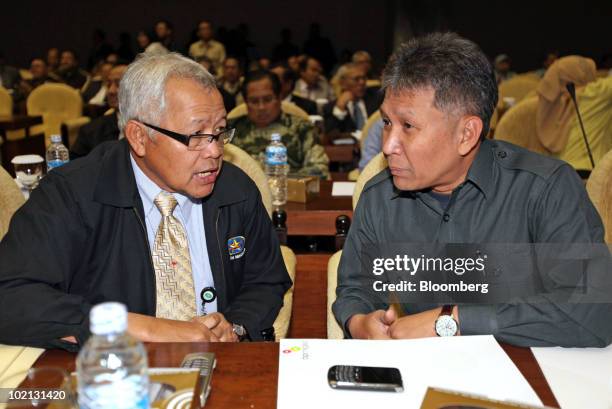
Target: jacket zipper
(144, 231)
(219, 244)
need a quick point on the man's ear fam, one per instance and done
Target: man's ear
(137, 137)
(470, 129)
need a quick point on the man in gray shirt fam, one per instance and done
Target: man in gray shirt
(446, 184)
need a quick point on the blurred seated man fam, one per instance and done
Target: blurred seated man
(503, 69)
(69, 71)
(207, 46)
(40, 75)
(253, 131)
(354, 105)
(9, 76)
(557, 123)
(53, 60)
(95, 91)
(364, 60)
(154, 221)
(312, 84)
(287, 79)
(104, 128)
(372, 145)
(452, 194)
(231, 80)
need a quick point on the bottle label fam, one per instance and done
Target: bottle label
(129, 393)
(52, 164)
(276, 155)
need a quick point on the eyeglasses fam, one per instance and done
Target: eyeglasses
(197, 141)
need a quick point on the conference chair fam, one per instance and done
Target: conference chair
(57, 103)
(518, 126)
(599, 188)
(354, 174)
(70, 128)
(376, 165)
(11, 199)
(251, 167)
(6, 102)
(518, 87)
(286, 107)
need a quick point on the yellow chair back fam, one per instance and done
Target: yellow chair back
(57, 103)
(378, 163)
(518, 87)
(11, 199)
(518, 126)
(6, 102)
(287, 107)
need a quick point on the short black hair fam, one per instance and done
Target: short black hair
(258, 75)
(304, 62)
(456, 68)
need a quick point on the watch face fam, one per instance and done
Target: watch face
(446, 326)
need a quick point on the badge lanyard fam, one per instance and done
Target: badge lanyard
(208, 295)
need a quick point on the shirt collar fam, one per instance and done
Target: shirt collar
(149, 190)
(481, 171)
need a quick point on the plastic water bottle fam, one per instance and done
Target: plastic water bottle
(112, 366)
(277, 170)
(57, 154)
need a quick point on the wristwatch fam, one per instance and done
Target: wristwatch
(241, 332)
(446, 326)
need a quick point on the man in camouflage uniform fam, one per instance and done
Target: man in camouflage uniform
(262, 94)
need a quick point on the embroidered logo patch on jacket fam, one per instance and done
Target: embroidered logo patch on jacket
(235, 247)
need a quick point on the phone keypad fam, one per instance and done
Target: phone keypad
(347, 373)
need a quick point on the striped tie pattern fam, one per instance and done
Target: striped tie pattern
(173, 277)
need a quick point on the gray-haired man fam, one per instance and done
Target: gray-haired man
(151, 221)
(446, 184)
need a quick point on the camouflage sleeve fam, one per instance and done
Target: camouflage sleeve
(316, 162)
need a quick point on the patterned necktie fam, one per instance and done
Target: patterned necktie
(357, 116)
(173, 278)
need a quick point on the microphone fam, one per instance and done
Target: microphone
(571, 89)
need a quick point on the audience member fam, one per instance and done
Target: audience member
(447, 184)
(69, 70)
(364, 60)
(320, 47)
(100, 49)
(207, 46)
(253, 131)
(95, 91)
(372, 145)
(557, 124)
(164, 33)
(287, 79)
(503, 70)
(354, 105)
(53, 60)
(142, 221)
(146, 46)
(312, 84)
(104, 128)
(9, 76)
(231, 80)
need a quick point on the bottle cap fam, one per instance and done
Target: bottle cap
(275, 137)
(108, 318)
(56, 138)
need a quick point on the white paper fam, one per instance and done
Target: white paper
(579, 377)
(343, 188)
(472, 364)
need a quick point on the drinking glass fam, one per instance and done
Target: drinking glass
(29, 170)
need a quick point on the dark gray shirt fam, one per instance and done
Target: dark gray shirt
(510, 195)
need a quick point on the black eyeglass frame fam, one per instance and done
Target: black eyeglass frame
(185, 139)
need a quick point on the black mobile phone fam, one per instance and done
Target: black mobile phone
(368, 378)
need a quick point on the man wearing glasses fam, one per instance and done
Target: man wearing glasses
(261, 90)
(156, 221)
